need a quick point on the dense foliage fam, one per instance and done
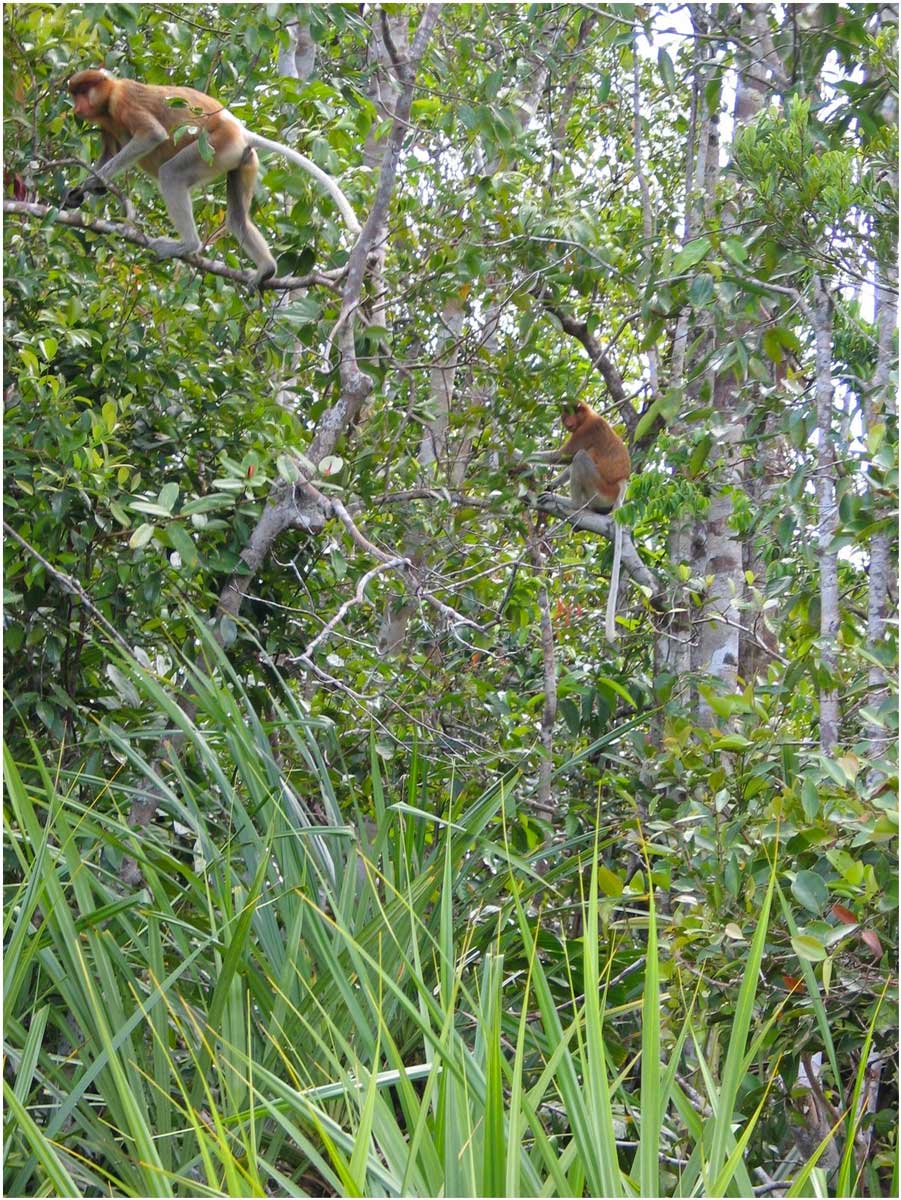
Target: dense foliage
(360, 952)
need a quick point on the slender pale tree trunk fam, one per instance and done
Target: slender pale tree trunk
(433, 449)
(672, 652)
(647, 217)
(298, 59)
(390, 39)
(718, 641)
(717, 650)
(880, 403)
(827, 510)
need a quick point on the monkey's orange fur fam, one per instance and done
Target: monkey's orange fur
(600, 460)
(138, 122)
(124, 108)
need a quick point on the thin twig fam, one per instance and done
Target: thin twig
(73, 587)
(358, 597)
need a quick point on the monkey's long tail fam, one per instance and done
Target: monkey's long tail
(610, 626)
(326, 181)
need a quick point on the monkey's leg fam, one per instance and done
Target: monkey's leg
(176, 178)
(240, 193)
(584, 481)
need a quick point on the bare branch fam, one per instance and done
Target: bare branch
(358, 597)
(600, 360)
(370, 548)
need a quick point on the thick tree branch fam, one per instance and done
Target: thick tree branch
(601, 361)
(281, 513)
(598, 523)
(128, 233)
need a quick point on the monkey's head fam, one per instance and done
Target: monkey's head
(574, 416)
(90, 92)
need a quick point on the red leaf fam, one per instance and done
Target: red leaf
(844, 914)
(871, 941)
(794, 983)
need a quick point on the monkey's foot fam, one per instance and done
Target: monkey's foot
(74, 198)
(263, 274)
(168, 248)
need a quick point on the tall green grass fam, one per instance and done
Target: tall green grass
(291, 1006)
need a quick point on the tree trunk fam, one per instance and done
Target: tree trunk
(879, 404)
(827, 525)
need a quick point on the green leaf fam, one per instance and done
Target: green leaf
(287, 468)
(205, 504)
(735, 249)
(666, 407)
(667, 71)
(331, 465)
(168, 496)
(733, 741)
(182, 541)
(810, 799)
(207, 153)
(616, 686)
(700, 293)
(772, 346)
(809, 889)
(141, 536)
(691, 254)
(699, 455)
(149, 507)
(610, 884)
(810, 949)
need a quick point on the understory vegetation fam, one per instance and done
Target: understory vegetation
(343, 854)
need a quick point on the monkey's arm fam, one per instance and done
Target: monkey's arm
(113, 161)
(553, 456)
(76, 196)
(560, 480)
(133, 151)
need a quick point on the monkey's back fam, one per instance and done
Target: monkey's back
(605, 446)
(132, 100)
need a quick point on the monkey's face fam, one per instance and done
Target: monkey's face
(573, 419)
(84, 109)
(90, 94)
